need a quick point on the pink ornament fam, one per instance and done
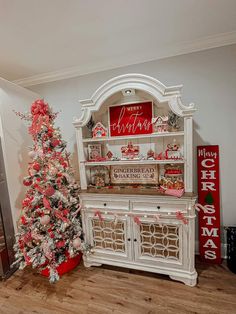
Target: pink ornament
(44, 220)
(49, 191)
(40, 153)
(60, 244)
(76, 243)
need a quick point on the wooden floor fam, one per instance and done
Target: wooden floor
(114, 290)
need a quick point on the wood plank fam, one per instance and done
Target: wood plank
(110, 289)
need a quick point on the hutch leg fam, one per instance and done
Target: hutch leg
(90, 263)
(192, 281)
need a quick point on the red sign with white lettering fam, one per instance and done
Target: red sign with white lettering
(209, 203)
(131, 119)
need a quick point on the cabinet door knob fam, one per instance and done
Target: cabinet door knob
(135, 240)
(105, 204)
(128, 239)
(158, 207)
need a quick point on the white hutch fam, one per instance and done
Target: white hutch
(137, 226)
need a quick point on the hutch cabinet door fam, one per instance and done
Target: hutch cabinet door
(160, 243)
(109, 238)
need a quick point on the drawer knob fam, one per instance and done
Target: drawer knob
(158, 207)
(105, 204)
(135, 240)
(128, 239)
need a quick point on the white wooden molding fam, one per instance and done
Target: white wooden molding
(205, 43)
(148, 84)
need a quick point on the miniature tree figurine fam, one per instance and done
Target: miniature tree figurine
(90, 126)
(49, 228)
(173, 121)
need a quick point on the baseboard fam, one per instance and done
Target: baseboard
(223, 249)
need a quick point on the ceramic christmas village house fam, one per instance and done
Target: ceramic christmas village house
(99, 130)
(160, 124)
(137, 198)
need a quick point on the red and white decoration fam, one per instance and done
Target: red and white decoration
(131, 119)
(160, 124)
(130, 151)
(209, 203)
(99, 130)
(173, 151)
(137, 174)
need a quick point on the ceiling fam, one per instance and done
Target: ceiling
(46, 40)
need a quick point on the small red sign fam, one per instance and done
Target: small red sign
(209, 203)
(131, 119)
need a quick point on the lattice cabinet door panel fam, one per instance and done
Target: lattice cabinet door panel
(109, 237)
(160, 242)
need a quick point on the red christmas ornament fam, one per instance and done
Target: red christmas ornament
(65, 212)
(26, 202)
(27, 182)
(55, 142)
(60, 244)
(51, 235)
(64, 164)
(58, 181)
(49, 191)
(36, 166)
(23, 220)
(50, 132)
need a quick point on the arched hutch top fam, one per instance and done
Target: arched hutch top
(147, 84)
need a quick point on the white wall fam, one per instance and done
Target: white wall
(209, 79)
(15, 140)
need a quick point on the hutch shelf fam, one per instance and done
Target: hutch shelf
(133, 213)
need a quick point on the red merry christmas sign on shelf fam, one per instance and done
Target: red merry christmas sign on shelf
(131, 119)
(209, 203)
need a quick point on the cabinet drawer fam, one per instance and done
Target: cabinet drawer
(106, 204)
(158, 206)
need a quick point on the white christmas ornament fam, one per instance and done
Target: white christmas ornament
(76, 243)
(32, 154)
(53, 171)
(40, 153)
(44, 220)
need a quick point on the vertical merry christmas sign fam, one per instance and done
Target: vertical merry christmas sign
(209, 203)
(131, 119)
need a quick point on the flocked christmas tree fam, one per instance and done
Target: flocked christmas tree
(49, 228)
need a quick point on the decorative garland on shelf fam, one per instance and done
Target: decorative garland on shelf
(178, 215)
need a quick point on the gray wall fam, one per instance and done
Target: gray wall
(15, 140)
(209, 79)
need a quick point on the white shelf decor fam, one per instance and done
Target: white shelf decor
(131, 137)
(127, 226)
